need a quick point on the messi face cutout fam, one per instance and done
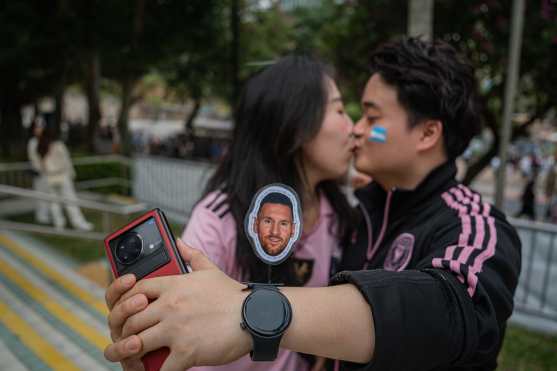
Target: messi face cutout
(274, 223)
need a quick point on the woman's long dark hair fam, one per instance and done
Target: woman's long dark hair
(281, 108)
(47, 138)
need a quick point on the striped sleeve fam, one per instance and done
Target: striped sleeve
(476, 242)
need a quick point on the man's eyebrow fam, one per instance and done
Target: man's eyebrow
(370, 104)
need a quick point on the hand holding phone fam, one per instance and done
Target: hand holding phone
(146, 248)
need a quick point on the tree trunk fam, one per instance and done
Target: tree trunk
(480, 164)
(59, 107)
(123, 130)
(420, 18)
(188, 127)
(12, 138)
(93, 80)
(234, 55)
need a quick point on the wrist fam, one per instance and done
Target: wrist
(266, 314)
(244, 339)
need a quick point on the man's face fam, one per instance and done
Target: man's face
(274, 227)
(394, 158)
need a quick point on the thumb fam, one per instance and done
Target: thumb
(197, 260)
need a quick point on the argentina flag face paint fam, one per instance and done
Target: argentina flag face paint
(377, 134)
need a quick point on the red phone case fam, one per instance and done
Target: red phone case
(152, 361)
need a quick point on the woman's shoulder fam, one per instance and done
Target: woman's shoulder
(212, 211)
(214, 203)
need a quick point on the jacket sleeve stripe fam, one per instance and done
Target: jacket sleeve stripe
(484, 255)
(470, 209)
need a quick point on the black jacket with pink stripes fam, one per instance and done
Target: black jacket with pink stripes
(439, 268)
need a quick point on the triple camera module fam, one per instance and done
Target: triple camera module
(139, 250)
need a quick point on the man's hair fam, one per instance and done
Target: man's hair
(276, 198)
(432, 82)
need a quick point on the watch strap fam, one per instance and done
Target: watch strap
(265, 349)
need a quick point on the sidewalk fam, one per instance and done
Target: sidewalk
(51, 318)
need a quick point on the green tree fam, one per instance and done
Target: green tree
(481, 29)
(346, 33)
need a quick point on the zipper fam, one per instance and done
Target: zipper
(369, 233)
(371, 251)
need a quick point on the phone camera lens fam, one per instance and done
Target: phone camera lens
(129, 248)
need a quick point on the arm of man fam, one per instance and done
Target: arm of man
(451, 310)
(203, 329)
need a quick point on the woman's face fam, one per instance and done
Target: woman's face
(327, 155)
(39, 127)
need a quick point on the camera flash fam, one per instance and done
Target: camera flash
(152, 246)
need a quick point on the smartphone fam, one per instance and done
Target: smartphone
(146, 248)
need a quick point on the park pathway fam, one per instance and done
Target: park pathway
(51, 318)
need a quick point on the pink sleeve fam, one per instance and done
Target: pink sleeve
(207, 232)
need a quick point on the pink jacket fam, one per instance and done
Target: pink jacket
(212, 230)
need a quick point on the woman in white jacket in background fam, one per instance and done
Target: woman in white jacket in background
(42, 212)
(57, 167)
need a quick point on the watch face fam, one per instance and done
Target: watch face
(267, 312)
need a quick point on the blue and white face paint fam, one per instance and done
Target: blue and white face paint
(378, 134)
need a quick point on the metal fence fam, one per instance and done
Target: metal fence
(15, 193)
(173, 185)
(20, 174)
(536, 294)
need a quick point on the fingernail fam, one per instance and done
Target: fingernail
(132, 345)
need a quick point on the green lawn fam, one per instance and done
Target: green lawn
(525, 350)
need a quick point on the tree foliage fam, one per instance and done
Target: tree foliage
(190, 44)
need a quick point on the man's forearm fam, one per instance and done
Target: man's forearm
(334, 322)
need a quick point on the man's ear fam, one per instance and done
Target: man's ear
(431, 135)
(254, 225)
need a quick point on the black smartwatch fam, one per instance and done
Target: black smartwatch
(266, 314)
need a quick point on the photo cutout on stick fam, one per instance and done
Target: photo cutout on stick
(273, 223)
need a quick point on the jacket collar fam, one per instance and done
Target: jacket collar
(403, 201)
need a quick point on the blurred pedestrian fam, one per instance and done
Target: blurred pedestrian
(529, 166)
(56, 165)
(42, 214)
(550, 189)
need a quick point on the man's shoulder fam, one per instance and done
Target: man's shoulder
(466, 207)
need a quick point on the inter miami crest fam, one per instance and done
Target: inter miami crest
(400, 253)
